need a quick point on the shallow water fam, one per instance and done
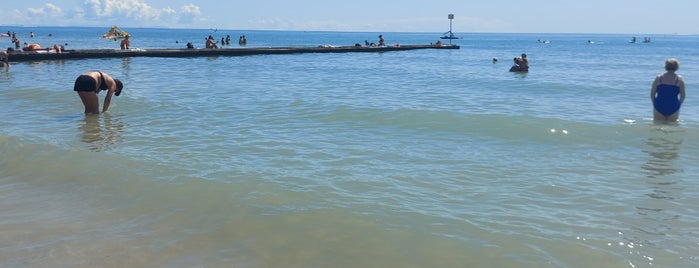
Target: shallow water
(427, 158)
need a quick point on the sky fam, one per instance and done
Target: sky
(489, 16)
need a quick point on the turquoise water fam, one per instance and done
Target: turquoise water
(428, 158)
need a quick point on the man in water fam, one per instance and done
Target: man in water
(89, 84)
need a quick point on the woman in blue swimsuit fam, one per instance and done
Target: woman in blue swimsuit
(667, 93)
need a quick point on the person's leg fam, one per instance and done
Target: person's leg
(90, 101)
(657, 116)
(673, 117)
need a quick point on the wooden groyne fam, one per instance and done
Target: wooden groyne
(17, 56)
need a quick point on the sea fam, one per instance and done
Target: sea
(421, 158)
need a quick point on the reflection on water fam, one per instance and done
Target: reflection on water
(663, 148)
(101, 136)
(658, 218)
(126, 63)
(5, 73)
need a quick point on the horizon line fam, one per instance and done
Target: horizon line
(338, 31)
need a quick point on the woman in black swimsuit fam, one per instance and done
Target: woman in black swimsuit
(89, 84)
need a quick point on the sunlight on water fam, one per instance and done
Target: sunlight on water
(408, 159)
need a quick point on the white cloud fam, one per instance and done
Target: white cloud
(188, 14)
(191, 9)
(47, 10)
(125, 13)
(134, 9)
(137, 12)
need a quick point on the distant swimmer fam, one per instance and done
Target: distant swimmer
(89, 84)
(667, 93)
(521, 64)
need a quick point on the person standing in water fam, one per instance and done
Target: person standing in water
(126, 43)
(667, 93)
(89, 84)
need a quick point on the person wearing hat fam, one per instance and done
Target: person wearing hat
(89, 84)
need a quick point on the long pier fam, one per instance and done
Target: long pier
(18, 56)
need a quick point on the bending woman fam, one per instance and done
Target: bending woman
(89, 84)
(667, 93)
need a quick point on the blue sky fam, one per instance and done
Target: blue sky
(502, 16)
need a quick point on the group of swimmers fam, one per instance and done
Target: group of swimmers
(521, 64)
(381, 43)
(31, 46)
(667, 91)
(212, 43)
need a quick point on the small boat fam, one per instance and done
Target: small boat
(450, 36)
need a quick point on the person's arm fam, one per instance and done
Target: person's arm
(107, 100)
(681, 85)
(111, 88)
(653, 88)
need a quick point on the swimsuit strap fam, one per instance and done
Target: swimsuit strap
(103, 84)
